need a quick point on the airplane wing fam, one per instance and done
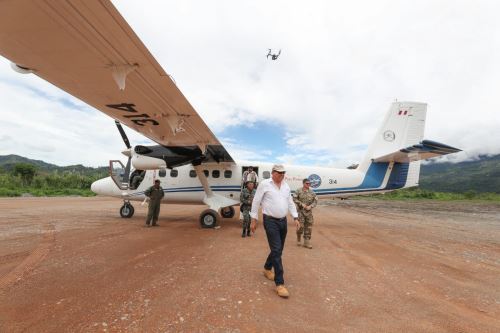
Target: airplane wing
(86, 48)
(422, 151)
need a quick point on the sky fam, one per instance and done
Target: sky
(342, 64)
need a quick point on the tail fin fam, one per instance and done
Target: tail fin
(402, 127)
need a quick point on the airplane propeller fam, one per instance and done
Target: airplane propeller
(127, 152)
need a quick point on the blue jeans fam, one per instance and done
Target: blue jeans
(276, 234)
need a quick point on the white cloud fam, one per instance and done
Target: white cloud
(342, 64)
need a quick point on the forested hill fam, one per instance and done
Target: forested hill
(482, 175)
(7, 163)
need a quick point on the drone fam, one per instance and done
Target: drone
(273, 56)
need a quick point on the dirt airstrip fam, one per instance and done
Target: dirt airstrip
(73, 265)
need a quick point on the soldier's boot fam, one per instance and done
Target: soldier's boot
(269, 274)
(298, 239)
(248, 232)
(307, 243)
(244, 233)
(282, 291)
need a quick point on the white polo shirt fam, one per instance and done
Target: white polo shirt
(276, 202)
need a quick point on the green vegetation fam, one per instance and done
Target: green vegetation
(418, 193)
(481, 175)
(20, 176)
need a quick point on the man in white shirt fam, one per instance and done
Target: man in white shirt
(275, 197)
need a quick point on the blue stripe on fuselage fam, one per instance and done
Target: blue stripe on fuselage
(373, 179)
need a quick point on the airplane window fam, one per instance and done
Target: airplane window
(215, 173)
(266, 175)
(205, 172)
(192, 173)
(228, 173)
(174, 173)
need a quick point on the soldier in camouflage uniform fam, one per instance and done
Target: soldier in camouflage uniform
(246, 198)
(155, 194)
(306, 200)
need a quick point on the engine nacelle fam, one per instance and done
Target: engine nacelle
(147, 163)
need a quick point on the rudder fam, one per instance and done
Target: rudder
(403, 126)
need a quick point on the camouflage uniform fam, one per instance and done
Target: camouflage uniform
(302, 199)
(246, 198)
(155, 195)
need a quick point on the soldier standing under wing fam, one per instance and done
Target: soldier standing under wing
(155, 194)
(306, 200)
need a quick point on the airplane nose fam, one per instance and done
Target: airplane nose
(96, 186)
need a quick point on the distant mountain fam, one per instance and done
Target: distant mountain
(7, 163)
(482, 175)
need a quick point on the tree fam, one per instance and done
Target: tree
(25, 171)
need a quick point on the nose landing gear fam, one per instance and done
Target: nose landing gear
(127, 210)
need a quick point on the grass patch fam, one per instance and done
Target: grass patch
(416, 193)
(45, 192)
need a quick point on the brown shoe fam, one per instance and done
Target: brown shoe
(282, 291)
(269, 274)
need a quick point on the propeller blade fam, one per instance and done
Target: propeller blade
(127, 171)
(122, 133)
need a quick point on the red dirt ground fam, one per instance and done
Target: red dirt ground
(72, 264)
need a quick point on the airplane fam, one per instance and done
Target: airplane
(87, 49)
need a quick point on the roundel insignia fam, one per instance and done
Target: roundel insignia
(315, 180)
(389, 136)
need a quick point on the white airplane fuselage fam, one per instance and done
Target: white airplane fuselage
(226, 180)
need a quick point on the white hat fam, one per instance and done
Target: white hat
(278, 168)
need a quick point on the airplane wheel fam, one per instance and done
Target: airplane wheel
(127, 210)
(227, 212)
(208, 218)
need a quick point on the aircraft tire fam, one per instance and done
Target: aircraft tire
(227, 214)
(208, 218)
(127, 211)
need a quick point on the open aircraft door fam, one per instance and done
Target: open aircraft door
(118, 173)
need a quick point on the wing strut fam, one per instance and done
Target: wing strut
(214, 201)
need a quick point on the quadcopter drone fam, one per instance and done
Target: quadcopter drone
(273, 56)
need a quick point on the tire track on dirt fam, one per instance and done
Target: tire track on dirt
(32, 260)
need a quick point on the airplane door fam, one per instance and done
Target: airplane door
(117, 173)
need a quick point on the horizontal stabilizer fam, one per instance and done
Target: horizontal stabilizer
(422, 151)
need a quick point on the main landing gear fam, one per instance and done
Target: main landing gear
(127, 210)
(208, 218)
(227, 212)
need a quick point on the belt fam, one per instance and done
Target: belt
(273, 218)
